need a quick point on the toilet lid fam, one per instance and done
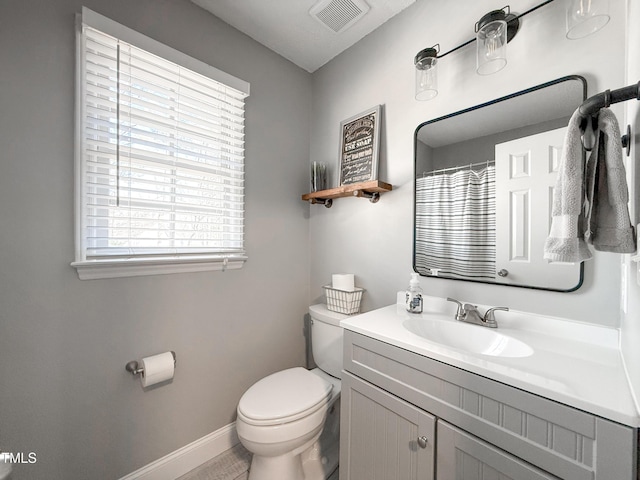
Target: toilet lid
(284, 396)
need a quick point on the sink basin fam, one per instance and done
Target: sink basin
(470, 338)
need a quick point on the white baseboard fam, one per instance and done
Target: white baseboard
(190, 456)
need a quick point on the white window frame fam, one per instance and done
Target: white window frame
(93, 268)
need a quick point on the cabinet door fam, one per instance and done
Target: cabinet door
(462, 456)
(383, 437)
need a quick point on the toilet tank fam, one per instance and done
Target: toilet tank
(326, 339)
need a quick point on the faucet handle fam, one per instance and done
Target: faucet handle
(460, 314)
(489, 316)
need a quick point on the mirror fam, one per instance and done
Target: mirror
(484, 180)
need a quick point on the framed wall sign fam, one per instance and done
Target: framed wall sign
(359, 147)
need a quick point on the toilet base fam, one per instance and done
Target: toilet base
(283, 467)
(316, 465)
(309, 465)
(316, 460)
(321, 460)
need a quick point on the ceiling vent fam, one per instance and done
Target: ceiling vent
(338, 15)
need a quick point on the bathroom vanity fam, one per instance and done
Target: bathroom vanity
(427, 397)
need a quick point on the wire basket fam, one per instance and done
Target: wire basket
(342, 301)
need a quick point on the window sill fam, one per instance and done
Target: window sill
(114, 268)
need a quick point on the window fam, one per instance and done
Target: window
(160, 157)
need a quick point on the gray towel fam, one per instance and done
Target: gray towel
(608, 226)
(565, 242)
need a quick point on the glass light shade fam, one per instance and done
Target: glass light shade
(491, 44)
(427, 78)
(585, 17)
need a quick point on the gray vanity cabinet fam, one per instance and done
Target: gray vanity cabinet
(388, 438)
(407, 416)
(464, 457)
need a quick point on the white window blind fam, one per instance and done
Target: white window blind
(161, 160)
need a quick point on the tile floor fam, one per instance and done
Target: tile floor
(230, 465)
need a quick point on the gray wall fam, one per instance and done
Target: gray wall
(477, 150)
(375, 240)
(64, 393)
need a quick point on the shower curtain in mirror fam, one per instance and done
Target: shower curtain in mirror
(456, 224)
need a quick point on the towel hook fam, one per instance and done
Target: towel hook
(626, 140)
(589, 133)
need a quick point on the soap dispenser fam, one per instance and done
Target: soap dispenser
(413, 298)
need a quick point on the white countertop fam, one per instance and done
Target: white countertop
(573, 363)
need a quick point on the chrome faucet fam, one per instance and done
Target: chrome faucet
(470, 314)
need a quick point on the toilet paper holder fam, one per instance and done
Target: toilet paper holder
(133, 367)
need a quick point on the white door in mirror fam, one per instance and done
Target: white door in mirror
(526, 173)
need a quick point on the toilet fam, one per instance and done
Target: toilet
(290, 420)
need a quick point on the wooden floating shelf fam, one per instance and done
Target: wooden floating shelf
(371, 190)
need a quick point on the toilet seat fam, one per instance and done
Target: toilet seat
(283, 397)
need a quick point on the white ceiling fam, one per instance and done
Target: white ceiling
(286, 27)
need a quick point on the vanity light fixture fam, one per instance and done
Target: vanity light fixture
(497, 28)
(585, 17)
(426, 63)
(493, 32)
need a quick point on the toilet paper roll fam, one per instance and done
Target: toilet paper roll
(343, 281)
(157, 368)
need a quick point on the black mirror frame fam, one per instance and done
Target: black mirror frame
(477, 107)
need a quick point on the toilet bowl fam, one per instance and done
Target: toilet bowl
(281, 418)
